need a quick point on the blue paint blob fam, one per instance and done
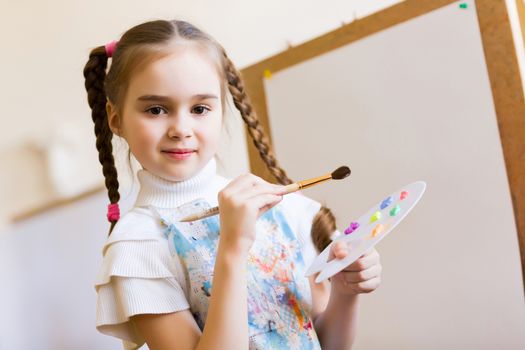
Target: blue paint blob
(387, 202)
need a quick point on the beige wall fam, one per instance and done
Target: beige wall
(48, 263)
(41, 90)
(45, 45)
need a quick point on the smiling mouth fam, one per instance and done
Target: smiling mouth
(179, 153)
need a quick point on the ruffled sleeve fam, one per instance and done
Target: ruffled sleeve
(138, 275)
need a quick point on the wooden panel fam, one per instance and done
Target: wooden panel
(520, 4)
(507, 91)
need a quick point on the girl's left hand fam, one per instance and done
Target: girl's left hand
(362, 276)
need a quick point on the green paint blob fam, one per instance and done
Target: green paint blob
(395, 210)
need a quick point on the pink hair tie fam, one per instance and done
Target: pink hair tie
(113, 212)
(110, 48)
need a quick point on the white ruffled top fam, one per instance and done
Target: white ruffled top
(138, 275)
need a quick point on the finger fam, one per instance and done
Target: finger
(268, 207)
(241, 183)
(281, 189)
(244, 182)
(362, 276)
(366, 286)
(338, 250)
(233, 192)
(364, 262)
(263, 200)
(256, 190)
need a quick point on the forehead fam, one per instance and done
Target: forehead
(183, 72)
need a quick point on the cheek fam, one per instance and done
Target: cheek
(142, 137)
(214, 133)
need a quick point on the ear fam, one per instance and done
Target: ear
(113, 118)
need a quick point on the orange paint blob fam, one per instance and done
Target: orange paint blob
(377, 230)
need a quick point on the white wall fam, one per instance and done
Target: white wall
(47, 268)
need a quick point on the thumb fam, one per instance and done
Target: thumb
(338, 250)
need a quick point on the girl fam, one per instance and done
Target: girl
(176, 285)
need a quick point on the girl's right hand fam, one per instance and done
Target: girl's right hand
(241, 202)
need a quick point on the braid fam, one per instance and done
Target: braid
(242, 102)
(322, 228)
(95, 73)
(323, 224)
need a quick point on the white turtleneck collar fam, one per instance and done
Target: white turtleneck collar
(162, 193)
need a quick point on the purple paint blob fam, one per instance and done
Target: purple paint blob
(353, 226)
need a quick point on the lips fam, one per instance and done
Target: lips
(179, 150)
(179, 153)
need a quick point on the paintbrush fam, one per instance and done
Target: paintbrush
(338, 174)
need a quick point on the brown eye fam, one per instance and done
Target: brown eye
(156, 110)
(200, 110)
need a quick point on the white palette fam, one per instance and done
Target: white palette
(363, 238)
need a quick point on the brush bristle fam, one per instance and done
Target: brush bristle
(341, 173)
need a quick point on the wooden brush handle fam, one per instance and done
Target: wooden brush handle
(306, 183)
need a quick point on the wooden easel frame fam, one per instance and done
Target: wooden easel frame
(502, 65)
(520, 4)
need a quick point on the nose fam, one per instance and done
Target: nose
(180, 127)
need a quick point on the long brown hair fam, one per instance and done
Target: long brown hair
(144, 42)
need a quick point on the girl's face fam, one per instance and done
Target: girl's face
(172, 114)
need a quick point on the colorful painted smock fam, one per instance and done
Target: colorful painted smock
(277, 313)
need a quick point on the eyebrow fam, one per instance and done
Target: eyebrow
(158, 98)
